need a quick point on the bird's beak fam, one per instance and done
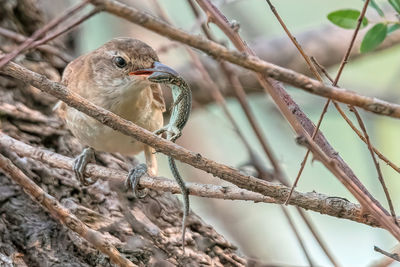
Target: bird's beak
(157, 68)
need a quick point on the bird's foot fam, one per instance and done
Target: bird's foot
(133, 178)
(80, 164)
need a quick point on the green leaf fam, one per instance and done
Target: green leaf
(373, 4)
(393, 28)
(374, 37)
(346, 18)
(395, 4)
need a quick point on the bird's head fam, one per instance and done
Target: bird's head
(118, 64)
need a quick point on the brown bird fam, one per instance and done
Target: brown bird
(104, 77)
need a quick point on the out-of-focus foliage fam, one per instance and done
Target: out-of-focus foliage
(348, 19)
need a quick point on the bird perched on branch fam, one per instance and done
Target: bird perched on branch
(124, 77)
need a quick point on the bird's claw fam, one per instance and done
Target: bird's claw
(133, 178)
(80, 164)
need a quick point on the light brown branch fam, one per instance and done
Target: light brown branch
(250, 61)
(157, 183)
(333, 206)
(97, 239)
(326, 205)
(325, 43)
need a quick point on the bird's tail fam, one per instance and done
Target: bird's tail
(185, 196)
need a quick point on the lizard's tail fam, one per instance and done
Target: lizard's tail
(185, 196)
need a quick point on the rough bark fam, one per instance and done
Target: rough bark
(147, 230)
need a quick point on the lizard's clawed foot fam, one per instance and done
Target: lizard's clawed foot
(160, 131)
(173, 132)
(80, 163)
(134, 176)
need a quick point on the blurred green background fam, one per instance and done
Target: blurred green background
(260, 230)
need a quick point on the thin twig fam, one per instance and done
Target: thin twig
(350, 123)
(37, 34)
(376, 163)
(48, 202)
(65, 29)
(317, 76)
(297, 234)
(394, 256)
(365, 202)
(295, 42)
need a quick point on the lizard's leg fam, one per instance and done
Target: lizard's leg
(173, 133)
(80, 163)
(136, 173)
(161, 130)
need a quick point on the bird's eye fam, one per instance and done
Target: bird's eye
(120, 62)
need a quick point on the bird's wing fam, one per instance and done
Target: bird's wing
(60, 107)
(158, 98)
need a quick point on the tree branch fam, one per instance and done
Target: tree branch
(324, 43)
(327, 205)
(251, 62)
(157, 183)
(333, 206)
